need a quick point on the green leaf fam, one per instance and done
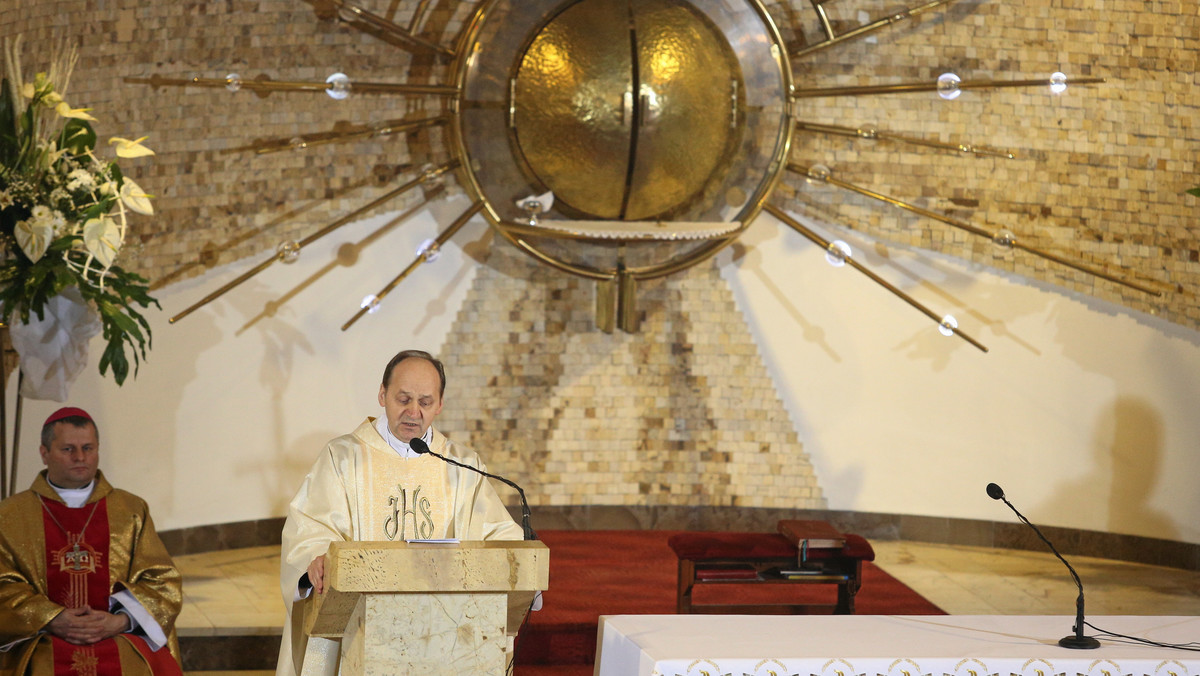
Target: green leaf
(77, 136)
(1194, 191)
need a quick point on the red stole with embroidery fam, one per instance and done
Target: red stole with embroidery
(77, 576)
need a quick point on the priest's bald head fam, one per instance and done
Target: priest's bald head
(411, 393)
(70, 448)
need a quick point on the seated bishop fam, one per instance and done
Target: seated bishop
(86, 586)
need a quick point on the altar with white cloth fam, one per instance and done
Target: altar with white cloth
(882, 645)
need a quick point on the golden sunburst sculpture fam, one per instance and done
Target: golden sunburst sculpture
(621, 141)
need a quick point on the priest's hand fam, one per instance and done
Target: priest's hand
(316, 574)
(85, 626)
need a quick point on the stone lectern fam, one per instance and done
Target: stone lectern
(425, 608)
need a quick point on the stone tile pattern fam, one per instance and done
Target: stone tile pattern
(681, 413)
(1101, 170)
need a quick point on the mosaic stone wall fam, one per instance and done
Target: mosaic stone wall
(682, 413)
(1100, 172)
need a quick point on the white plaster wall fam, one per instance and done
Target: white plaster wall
(1082, 410)
(231, 408)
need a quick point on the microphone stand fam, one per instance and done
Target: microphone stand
(1077, 640)
(418, 445)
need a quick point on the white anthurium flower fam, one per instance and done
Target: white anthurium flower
(65, 110)
(135, 199)
(127, 148)
(33, 236)
(102, 238)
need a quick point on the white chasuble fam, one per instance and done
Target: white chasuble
(404, 498)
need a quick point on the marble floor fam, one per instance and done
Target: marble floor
(236, 591)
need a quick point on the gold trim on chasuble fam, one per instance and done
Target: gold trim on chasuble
(405, 498)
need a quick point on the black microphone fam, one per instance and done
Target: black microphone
(1076, 640)
(419, 446)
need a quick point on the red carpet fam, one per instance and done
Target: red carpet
(594, 573)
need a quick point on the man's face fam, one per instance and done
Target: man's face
(73, 455)
(412, 398)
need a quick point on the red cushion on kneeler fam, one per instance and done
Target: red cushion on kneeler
(702, 546)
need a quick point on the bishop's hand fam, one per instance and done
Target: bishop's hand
(85, 626)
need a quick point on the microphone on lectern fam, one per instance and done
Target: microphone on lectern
(1076, 640)
(419, 447)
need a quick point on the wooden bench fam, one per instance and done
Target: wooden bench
(767, 558)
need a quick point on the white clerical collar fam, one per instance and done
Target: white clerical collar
(400, 447)
(74, 497)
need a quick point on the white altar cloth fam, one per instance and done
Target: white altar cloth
(881, 645)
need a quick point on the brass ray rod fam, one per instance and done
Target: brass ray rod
(276, 145)
(1075, 265)
(911, 87)
(269, 86)
(442, 238)
(863, 29)
(418, 14)
(426, 176)
(982, 232)
(824, 243)
(824, 18)
(393, 28)
(874, 134)
(312, 238)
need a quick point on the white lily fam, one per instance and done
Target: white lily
(134, 198)
(33, 236)
(102, 237)
(65, 110)
(127, 148)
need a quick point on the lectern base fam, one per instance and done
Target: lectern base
(433, 634)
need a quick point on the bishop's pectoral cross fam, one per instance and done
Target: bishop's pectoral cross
(77, 559)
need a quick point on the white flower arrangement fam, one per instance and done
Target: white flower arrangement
(63, 210)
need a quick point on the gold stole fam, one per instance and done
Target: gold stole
(403, 498)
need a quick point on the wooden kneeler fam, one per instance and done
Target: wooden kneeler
(767, 558)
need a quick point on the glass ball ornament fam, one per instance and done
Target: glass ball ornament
(429, 250)
(947, 326)
(370, 303)
(818, 173)
(288, 251)
(233, 82)
(1058, 83)
(339, 86)
(947, 86)
(836, 253)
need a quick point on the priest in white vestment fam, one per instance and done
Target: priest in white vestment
(369, 485)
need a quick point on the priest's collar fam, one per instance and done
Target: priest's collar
(400, 447)
(74, 497)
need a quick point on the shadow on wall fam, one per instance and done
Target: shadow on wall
(1128, 458)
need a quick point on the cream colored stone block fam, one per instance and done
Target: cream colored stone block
(433, 634)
